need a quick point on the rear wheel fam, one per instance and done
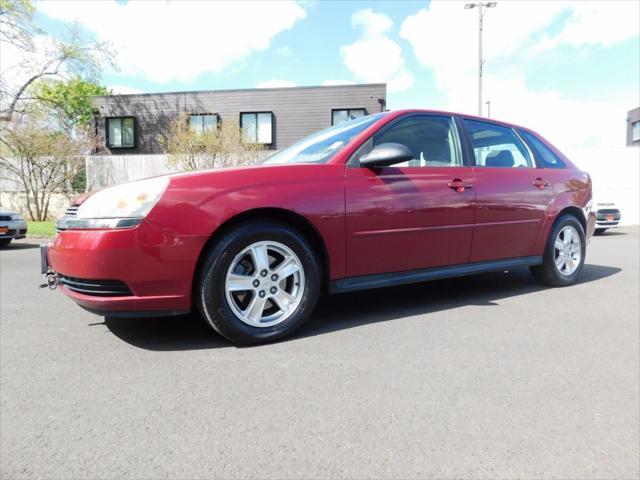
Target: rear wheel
(259, 283)
(5, 241)
(564, 254)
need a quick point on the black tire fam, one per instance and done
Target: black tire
(5, 241)
(599, 231)
(548, 273)
(210, 293)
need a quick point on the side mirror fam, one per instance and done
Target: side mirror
(386, 154)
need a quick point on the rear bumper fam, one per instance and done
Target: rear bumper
(157, 267)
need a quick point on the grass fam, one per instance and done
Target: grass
(41, 229)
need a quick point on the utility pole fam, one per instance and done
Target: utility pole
(481, 6)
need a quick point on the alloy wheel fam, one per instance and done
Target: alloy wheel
(264, 284)
(567, 250)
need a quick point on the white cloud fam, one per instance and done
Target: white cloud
(328, 83)
(179, 40)
(284, 51)
(513, 35)
(375, 57)
(603, 23)
(123, 90)
(276, 83)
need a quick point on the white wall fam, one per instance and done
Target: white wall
(616, 177)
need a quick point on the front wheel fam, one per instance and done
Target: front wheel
(5, 241)
(599, 231)
(564, 254)
(259, 283)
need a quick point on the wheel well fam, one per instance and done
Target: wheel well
(576, 212)
(287, 217)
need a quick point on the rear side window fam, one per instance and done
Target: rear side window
(497, 146)
(543, 154)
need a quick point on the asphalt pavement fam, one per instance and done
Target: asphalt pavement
(490, 377)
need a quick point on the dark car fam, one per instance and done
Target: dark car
(387, 199)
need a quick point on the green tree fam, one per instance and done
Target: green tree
(73, 54)
(68, 101)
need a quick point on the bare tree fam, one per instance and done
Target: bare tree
(190, 149)
(36, 56)
(42, 160)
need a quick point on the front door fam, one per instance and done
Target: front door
(413, 215)
(512, 194)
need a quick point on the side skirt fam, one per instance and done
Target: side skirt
(366, 282)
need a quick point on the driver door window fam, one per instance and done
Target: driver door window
(432, 140)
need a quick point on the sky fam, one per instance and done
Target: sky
(570, 70)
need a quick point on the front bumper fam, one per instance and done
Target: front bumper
(16, 229)
(608, 218)
(155, 266)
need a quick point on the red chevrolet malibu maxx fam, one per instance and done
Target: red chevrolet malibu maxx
(387, 199)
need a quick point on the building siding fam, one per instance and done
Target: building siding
(297, 111)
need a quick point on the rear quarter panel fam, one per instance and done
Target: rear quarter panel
(571, 188)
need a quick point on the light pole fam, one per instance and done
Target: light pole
(481, 6)
(488, 103)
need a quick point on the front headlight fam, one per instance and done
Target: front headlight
(16, 217)
(122, 206)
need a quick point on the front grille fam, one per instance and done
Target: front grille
(601, 215)
(5, 218)
(98, 288)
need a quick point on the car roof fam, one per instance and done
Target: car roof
(405, 111)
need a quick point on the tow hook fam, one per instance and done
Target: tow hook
(52, 280)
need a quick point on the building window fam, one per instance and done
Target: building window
(203, 122)
(635, 131)
(257, 127)
(120, 132)
(346, 114)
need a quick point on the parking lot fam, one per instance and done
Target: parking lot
(491, 376)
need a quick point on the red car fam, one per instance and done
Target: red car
(387, 199)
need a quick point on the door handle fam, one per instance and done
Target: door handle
(540, 183)
(459, 186)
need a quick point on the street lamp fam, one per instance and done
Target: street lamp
(481, 6)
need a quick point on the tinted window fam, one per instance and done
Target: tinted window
(543, 153)
(432, 140)
(497, 146)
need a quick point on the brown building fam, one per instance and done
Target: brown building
(633, 127)
(275, 117)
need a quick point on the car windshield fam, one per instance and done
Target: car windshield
(321, 146)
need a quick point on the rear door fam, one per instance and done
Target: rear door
(413, 215)
(512, 195)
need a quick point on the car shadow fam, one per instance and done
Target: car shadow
(349, 310)
(611, 233)
(19, 246)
